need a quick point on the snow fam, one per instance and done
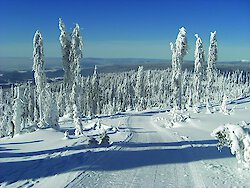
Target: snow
(44, 158)
(144, 152)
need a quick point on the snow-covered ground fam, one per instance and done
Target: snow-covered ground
(146, 151)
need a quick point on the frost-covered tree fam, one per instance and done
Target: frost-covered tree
(18, 113)
(1, 101)
(95, 93)
(211, 67)
(179, 50)
(139, 90)
(237, 138)
(65, 48)
(39, 72)
(223, 107)
(77, 121)
(51, 115)
(72, 55)
(198, 70)
(76, 54)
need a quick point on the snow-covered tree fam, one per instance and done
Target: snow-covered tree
(65, 48)
(18, 113)
(51, 115)
(38, 59)
(39, 72)
(76, 54)
(139, 90)
(223, 107)
(198, 70)
(179, 50)
(77, 121)
(95, 93)
(237, 138)
(211, 67)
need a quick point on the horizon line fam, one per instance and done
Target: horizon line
(242, 60)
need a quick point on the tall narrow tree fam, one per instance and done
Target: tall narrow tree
(39, 72)
(179, 50)
(65, 48)
(18, 112)
(76, 54)
(211, 67)
(139, 90)
(198, 71)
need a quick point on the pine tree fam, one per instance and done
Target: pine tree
(95, 93)
(198, 70)
(139, 90)
(18, 113)
(75, 59)
(51, 115)
(77, 121)
(179, 50)
(39, 72)
(65, 48)
(76, 54)
(211, 67)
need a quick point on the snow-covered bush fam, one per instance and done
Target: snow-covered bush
(92, 141)
(223, 107)
(105, 140)
(178, 116)
(66, 134)
(237, 138)
(77, 121)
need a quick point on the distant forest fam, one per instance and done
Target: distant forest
(14, 70)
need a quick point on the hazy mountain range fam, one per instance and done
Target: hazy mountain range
(20, 69)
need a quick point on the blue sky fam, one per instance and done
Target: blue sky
(126, 28)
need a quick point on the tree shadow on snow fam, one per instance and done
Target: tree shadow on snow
(18, 143)
(132, 156)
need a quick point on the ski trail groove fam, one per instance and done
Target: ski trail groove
(159, 171)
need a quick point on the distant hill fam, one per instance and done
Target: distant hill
(14, 70)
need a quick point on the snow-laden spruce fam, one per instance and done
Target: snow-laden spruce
(179, 50)
(237, 138)
(71, 47)
(198, 71)
(65, 48)
(211, 68)
(95, 93)
(77, 121)
(39, 74)
(18, 113)
(223, 107)
(76, 54)
(48, 113)
(139, 90)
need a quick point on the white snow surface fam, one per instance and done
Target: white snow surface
(146, 151)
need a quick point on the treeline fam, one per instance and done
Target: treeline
(26, 106)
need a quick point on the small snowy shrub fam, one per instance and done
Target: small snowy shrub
(237, 138)
(223, 107)
(66, 134)
(104, 139)
(92, 141)
(178, 116)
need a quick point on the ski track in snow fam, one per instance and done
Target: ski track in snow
(150, 156)
(146, 174)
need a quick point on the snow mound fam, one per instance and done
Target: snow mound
(237, 138)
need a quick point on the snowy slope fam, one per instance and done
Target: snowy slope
(44, 158)
(154, 155)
